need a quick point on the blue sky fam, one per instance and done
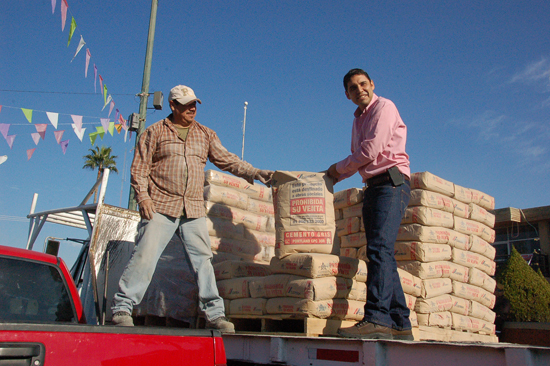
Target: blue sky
(470, 79)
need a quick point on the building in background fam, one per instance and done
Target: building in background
(528, 230)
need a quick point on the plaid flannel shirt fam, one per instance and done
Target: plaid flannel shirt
(160, 160)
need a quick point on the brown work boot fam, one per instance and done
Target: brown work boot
(402, 335)
(366, 330)
(221, 324)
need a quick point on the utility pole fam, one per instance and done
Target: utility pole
(144, 96)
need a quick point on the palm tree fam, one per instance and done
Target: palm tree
(101, 159)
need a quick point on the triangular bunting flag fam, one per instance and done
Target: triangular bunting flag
(105, 94)
(80, 45)
(111, 128)
(110, 108)
(28, 114)
(109, 98)
(93, 136)
(118, 127)
(53, 117)
(3, 159)
(9, 140)
(58, 135)
(4, 128)
(125, 134)
(71, 31)
(116, 115)
(64, 145)
(0, 108)
(100, 83)
(100, 131)
(36, 137)
(64, 7)
(41, 129)
(79, 132)
(88, 56)
(29, 153)
(53, 6)
(95, 78)
(104, 123)
(77, 121)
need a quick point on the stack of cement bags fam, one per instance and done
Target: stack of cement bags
(444, 242)
(299, 285)
(239, 218)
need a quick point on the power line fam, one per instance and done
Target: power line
(56, 92)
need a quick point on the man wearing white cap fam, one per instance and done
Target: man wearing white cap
(168, 178)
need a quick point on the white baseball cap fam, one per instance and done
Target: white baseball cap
(183, 94)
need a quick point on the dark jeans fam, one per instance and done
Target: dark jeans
(383, 209)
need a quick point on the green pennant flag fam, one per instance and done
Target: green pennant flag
(28, 114)
(100, 131)
(111, 128)
(93, 136)
(105, 93)
(71, 31)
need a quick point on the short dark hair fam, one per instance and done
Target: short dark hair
(352, 73)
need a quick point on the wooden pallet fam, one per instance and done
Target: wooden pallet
(288, 325)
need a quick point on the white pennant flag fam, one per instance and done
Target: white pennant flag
(53, 118)
(109, 98)
(80, 45)
(78, 131)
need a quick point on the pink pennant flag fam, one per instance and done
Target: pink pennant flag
(77, 121)
(4, 128)
(41, 129)
(64, 7)
(36, 137)
(29, 153)
(53, 117)
(79, 47)
(88, 56)
(100, 83)
(105, 123)
(79, 132)
(64, 145)
(0, 108)
(95, 78)
(58, 135)
(10, 139)
(110, 108)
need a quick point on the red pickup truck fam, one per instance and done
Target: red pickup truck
(42, 322)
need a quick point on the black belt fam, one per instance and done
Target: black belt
(381, 179)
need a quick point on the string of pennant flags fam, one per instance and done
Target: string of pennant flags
(107, 126)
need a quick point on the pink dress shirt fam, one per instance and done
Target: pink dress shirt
(378, 140)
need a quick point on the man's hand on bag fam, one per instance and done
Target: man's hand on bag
(147, 209)
(264, 176)
(333, 173)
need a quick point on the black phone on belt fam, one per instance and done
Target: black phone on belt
(396, 176)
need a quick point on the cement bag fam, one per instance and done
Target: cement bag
(462, 194)
(260, 207)
(435, 287)
(234, 288)
(410, 284)
(236, 246)
(413, 317)
(461, 322)
(474, 260)
(315, 265)
(440, 269)
(482, 312)
(460, 209)
(247, 306)
(255, 191)
(348, 197)
(410, 301)
(442, 319)
(351, 289)
(483, 199)
(482, 279)
(281, 285)
(427, 216)
(469, 227)
(460, 306)
(362, 253)
(475, 293)
(223, 228)
(482, 247)
(427, 180)
(422, 197)
(291, 305)
(423, 252)
(219, 257)
(232, 269)
(338, 215)
(304, 213)
(356, 240)
(348, 226)
(433, 234)
(353, 211)
(248, 219)
(348, 252)
(478, 213)
(434, 304)
(225, 195)
(458, 272)
(263, 238)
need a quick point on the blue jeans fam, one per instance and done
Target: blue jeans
(152, 238)
(383, 209)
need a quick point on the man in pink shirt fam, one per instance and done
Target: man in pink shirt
(378, 154)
